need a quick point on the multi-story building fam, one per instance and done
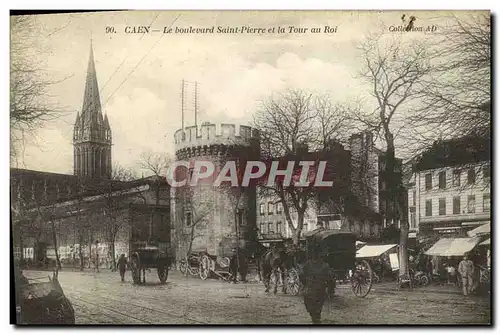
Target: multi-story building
(450, 189)
(356, 202)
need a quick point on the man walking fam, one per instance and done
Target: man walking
(466, 270)
(314, 277)
(122, 266)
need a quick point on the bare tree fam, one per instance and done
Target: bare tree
(457, 95)
(156, 164)
(195, 219)
(396, 71)
(290, 124)
(30, 102)
(113, 192)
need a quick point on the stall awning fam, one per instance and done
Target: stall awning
(481, 230)
(486, 242)
(373, 250)
(452, 246)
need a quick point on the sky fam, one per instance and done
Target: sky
(140, 75)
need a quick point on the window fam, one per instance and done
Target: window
(270, 208)
(262, 228)
(270, 228)
(456, 178)
(442, 206)
(278, 227)
(487, 174)
(188, 219)
(414, 200)
(240, 217)
(413, 220)
(428, 208)
(442, 180)
(486, 202)
(471, 204)
(471, 176)
(262, 209)
(279, 208)
(456, 205)
(428, 181)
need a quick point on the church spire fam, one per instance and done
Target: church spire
(91, 98)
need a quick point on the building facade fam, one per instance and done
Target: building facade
(450, 189)
(87, 213)
(357, 201)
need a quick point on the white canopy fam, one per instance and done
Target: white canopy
(452, 246)
(373, 250)
(486, 242)
(481, 230)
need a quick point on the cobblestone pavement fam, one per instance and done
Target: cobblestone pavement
(102, 299)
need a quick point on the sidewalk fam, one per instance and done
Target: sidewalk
(432, 288)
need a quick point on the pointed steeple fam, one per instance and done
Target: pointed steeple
(92, 135)
(91, 98)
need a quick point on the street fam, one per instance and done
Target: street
(102, 299)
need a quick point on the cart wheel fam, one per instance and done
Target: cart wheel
(162, 274)
(135, 268)
(424, 280)
(204, 267)
(292, 282)
(193, 270)
(361, 280)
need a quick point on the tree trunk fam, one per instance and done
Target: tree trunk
(403, 250)
(54, 236)
(21, 245)
(90, 249)
(113, 255)
(80, 253)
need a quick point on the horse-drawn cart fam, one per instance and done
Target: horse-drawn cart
(338, 250)
(148, 257)
(211, 265)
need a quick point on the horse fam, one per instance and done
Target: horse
(277, 258)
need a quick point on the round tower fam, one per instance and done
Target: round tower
(207, 217)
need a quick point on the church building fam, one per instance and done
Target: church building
(91, 214)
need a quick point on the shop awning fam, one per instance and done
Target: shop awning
(452, 246)
(481, 230)
(486, 242)
(360, 243)
(373, 250)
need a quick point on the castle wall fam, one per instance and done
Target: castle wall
(217, 213)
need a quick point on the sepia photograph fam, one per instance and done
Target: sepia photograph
(246, 167)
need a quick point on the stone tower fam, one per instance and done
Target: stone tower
(92, 133)
(228, 213)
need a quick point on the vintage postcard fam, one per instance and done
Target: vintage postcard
(251, 167)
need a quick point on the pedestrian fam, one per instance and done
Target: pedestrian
(466, 271)
(314, 277)
(122, 266)
(234, 266)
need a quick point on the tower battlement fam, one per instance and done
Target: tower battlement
(215, 134)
